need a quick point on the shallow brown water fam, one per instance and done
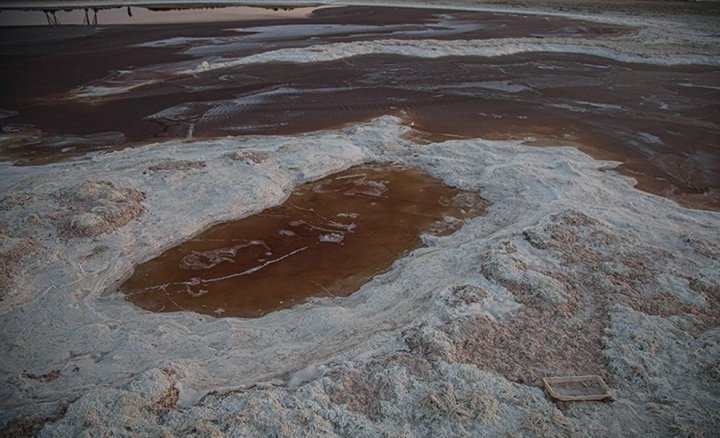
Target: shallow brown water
(142, 15)
(660, 122)
(327, 239)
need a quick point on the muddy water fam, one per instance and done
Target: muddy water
(660, 122)
(327, 239)
(142, 15)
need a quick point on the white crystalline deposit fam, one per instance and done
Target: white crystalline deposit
(430, 48)
(400, 355)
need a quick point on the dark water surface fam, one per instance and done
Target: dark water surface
(144, 15)
(66, 91)
(327, 239)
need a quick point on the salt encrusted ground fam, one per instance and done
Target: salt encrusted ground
(572, 271)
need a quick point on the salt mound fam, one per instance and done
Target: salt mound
(94, 208)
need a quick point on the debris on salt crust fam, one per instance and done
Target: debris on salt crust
(577, 388)
(626, 288)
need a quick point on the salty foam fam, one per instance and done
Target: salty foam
(658, 40)
(430, 48)
(422, 48)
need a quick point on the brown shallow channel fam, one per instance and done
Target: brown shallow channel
(659, 121)
(327, 239)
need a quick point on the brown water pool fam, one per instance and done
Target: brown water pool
(327, 239)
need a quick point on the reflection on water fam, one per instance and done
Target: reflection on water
(141, 15)
(330, 237)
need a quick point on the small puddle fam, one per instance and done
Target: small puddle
(328, 239)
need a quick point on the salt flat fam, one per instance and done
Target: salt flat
(572, 270)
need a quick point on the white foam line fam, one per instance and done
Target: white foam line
(256, 268)
(99, 91)
(431, 48)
